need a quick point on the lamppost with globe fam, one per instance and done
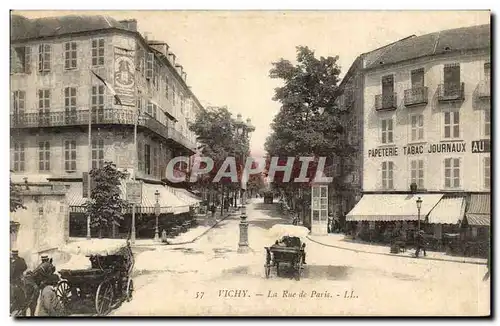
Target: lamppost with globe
(157, 213)
(243, 131)
(419, 206)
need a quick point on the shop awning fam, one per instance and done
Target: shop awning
(449, 210)
(187, 196)
(382, 207)
(479, 212)
(169, 202)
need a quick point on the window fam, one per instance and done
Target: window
(451, 79)
(20, 59)
(487, 72)
(44, 53)
(44, 106)
(19, 102)
(182, 103)
(155, 161)
(70, 104)
(152, 110)
(173, 95)
(166, 87)
(417, 78)
(417, 173)
(139, 65)
(44, 156)
(97, 104)
(387, 175)
(451, 124)
(97, 153)
(147, 159)
(387, 130)
(70, 55)
(487, 122)
(452, 173)
(487, 172)
(70, 155)
(150, 66)
(140, 157)
(98, 52)
(417, 127)
(19, 157)
(388, 99)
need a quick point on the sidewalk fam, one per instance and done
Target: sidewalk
(338, 241)
(205, 224)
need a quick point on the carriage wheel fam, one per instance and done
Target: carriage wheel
(104, 298)
(63, 292)
(130, 289)
(268, 270)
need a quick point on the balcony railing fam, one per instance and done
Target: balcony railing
(484, 89)
(416, 96)
(81, 117)
(178, 137)
(386, 102)
(451, 92)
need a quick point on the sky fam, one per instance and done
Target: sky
(228, 54)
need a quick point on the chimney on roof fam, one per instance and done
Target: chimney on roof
(179, 69)
(184, 76)
(171, 57)
(159, 46)
(130, 24)
(146, 35)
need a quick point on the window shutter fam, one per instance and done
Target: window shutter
(27, 58)
(149, 66)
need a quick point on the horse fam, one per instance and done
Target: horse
(25, 292)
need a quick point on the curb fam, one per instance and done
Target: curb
(393, 255)
(184, 242)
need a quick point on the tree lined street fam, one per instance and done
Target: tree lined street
(209, 277)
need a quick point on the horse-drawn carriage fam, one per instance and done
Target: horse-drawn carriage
(289, 250)
(105, 285)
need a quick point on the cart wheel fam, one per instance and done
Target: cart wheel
(63, 292)
(130, 289)
(268, 270)
(104, 298)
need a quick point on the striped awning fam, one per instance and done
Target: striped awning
(449, 210)
(479, 212)
(169, 202)
(389, 207)
(187, 196)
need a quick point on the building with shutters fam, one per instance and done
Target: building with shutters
(55, 89)
(426, 132)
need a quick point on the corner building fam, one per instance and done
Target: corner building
(54, 91)
(427, 127)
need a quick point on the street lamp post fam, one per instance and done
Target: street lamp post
(243, 129)
(419, 206)
(157, 213)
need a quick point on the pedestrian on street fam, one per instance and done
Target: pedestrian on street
(49, 304)
(213, 209)
(17, 267)
(420, 242)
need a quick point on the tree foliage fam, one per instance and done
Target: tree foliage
(216, 131)
(309, 123)
(106, 206)
(16, 201)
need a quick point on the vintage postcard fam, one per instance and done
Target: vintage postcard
(250, 163)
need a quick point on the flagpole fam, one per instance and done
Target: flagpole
(90, 164)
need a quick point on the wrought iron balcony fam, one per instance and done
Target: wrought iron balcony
(451, 92)
(385, 102)
(484, 89)
(416, 96)
(81, 117)
(179, 138)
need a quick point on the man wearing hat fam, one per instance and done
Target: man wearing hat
(50, 305)
(419, 240)
(45, 268)
(17, 267)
